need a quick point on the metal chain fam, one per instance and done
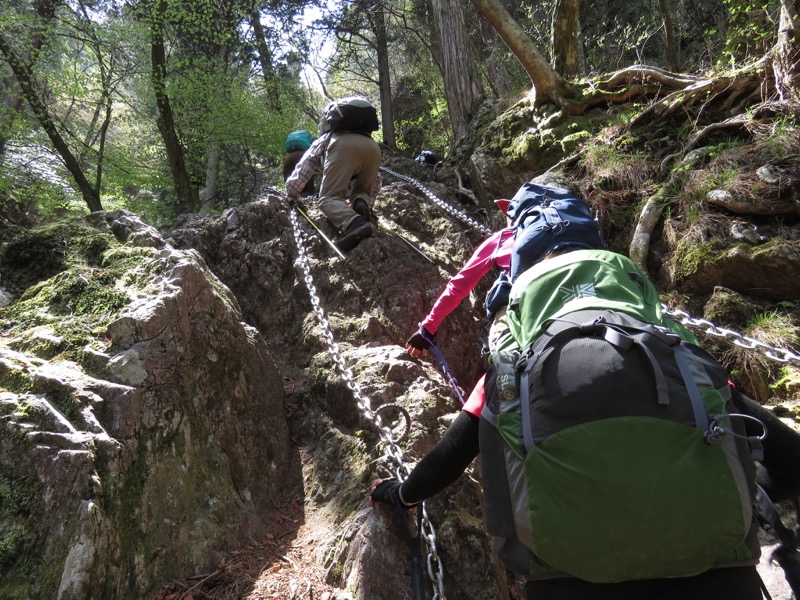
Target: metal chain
(448, 208)
(393, 452)
(737, 339)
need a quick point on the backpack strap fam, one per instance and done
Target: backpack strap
(698, 407)
(553, 220)
(786, 555)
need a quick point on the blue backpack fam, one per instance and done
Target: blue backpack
(545, 218)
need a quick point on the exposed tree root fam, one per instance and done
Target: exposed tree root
(648, 219)
(702, 92)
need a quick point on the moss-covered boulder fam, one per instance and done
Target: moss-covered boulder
(142, 422)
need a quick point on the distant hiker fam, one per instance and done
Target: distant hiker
(296, 144)
(345, 152)
(428, 158)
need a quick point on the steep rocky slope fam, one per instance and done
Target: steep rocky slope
(193, 411)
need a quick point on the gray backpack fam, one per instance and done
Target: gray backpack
(352, 114)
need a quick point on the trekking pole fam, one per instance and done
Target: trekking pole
(314, 225)
(437, 352)
(296, 206)
(415, 558)
(414, 248)
(400, 521)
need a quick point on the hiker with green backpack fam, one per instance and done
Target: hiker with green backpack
(348, 159)
(617, 461)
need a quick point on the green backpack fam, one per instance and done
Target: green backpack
(608, 450)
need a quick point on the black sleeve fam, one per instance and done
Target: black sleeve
(445, 462)
(780, 475)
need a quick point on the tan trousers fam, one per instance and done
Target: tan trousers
(348, 155)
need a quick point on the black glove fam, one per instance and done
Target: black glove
(419, 342)
(388, 492)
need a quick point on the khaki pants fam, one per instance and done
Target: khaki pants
(348, 155)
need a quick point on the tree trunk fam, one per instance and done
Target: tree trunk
(462, 82)
(672, 44)
(210, 193)
(547, 85)
(265, 58)
(24, 77)
(211, 189)
(568, 57)
(188, 198)
(11, 95)
(101, 146)
(499, 79)
(384, 77)
(786, 55)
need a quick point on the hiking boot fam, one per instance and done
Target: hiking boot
(362, 208)
(357, 231)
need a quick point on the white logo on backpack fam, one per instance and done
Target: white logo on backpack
(573, 292)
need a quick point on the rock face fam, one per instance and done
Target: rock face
(145, 378)
(143, 455)
(371, 301)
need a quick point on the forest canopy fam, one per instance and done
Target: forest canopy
(171, 106)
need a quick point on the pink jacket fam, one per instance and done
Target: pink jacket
(494, 250)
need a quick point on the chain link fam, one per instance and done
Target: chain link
(393, 452)
(448, 208)
(734, 337)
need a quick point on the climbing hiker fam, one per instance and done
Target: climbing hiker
(429, 158)
(296, 144)
(589, 394)
(348, 159)
(597, 414)
(494, 253)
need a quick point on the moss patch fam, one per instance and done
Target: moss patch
(36, 254)
(18, 540)
(90, 277)
(691, 255)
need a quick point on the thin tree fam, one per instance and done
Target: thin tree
(10, 93)
(265, 59)
(362, 31)
(568, 57)
(786, 54)
(188, 196)
(378, 20)
(25, 79)
(669, 33)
